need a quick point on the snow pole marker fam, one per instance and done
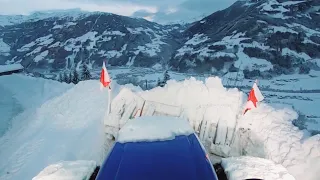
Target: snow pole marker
(109, 100)
(105, 81)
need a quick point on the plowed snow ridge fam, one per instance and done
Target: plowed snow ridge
(272, 134)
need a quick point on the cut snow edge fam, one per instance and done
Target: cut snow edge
(67, 170)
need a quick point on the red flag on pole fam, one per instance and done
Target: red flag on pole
(104, 77)
(254, 97)
(105, 82)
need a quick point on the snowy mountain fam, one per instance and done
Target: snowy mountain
(252, 38)
(64, 39)
(263, 38)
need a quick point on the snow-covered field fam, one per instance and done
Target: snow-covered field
(58, 123)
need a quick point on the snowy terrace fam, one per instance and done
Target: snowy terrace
(10, 68)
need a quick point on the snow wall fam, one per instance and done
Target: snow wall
(58, 122)
(19, 94)
(215, 113)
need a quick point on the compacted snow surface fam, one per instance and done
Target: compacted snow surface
(143, 129)
(61, 122)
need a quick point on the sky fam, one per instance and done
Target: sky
(161, 11)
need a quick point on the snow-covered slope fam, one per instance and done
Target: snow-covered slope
(67, 127)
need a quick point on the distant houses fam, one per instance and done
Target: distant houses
(10, 69)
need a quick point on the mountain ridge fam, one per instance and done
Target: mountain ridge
(259, 38)
(280, 33)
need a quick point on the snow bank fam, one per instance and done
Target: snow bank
(30, 91)
(215, 113)
(144, 129)
(273, 133)
(67, 127)
(254, 168)
(80, 170)
(21, 94)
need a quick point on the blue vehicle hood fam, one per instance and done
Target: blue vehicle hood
(180, 158)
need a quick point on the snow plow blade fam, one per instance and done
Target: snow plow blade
(217, 133)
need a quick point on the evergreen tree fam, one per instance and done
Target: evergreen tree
(85, 73)
(60, 78)
(158, 82)
(166, 76)
(70, 78)
(75, 78)
(65, 77)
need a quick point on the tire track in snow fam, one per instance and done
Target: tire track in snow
(18, 159)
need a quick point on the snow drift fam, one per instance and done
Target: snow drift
(215, 113)
(21, 94)
(251, 167)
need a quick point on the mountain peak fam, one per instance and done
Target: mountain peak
(6, 20)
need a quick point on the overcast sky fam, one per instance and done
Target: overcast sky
(161, 11)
